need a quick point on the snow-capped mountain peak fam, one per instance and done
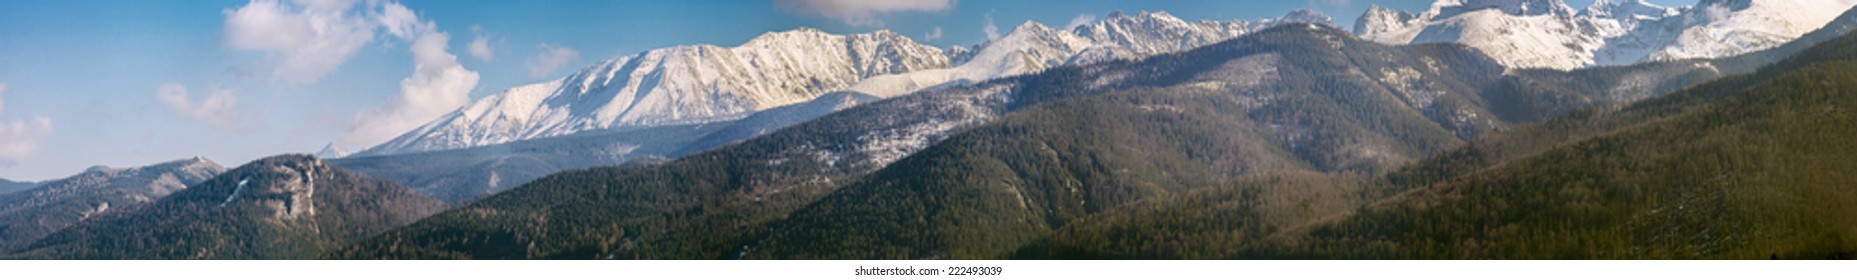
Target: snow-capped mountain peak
(1304, 16)
(675, 85)
(1626, 14)
(1033, 47)
(1550, 34)
(1718, 28)
(1380, 20)
(1448, 8)
(1628, 9)
(705, 83)
(331, 151)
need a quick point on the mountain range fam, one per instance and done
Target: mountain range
(1551, 34)
(7, 186)
(461, 175)
(632, 94)
(983, 170)
(282, 207)
(463, 171)
(1478, 129)
(52, 206)
(706, 83)
(592, 101)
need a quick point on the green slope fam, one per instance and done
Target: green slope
(1743, 167)
(1758, 175)
(29, 215)
(282, 207)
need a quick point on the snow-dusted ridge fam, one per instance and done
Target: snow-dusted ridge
(676, 85)
(1550, 34)
(705, 83)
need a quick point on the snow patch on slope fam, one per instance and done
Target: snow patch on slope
(964, 109)
(235, 192)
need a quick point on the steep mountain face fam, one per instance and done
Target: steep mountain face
(1521, 34)
(281, 207)
(1549, 34)
(7, 186)
(26, 216)
(707, 84)
(1749, 62)
(1033, 47)
(1064, 143)
(1722, 28)
(1627, 14)
(1380, 21)
(677, 85)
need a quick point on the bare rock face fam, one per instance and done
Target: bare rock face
(1381, 20)
(293, 195)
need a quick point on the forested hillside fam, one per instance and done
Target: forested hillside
(1743, 167)
(282, 207)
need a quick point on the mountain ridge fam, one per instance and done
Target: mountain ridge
(747, 200)
(51, 206)
(1608, 32)
(651, 88)
(280, 207)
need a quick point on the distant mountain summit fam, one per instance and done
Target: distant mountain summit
(1550, 34)
(7, 186)
(331, 151)
(704, 83)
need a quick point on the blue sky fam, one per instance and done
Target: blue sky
(128, 83)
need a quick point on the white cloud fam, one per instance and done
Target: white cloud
(217, 108)
(305, 39)
(1080, 20)
(991, 29)
(551, 58)
(20, 138)
(862, 13)
(933, 35)
(402, 22)
(326, 5)
(480, 46)
(1717, 12)
(438, 85)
